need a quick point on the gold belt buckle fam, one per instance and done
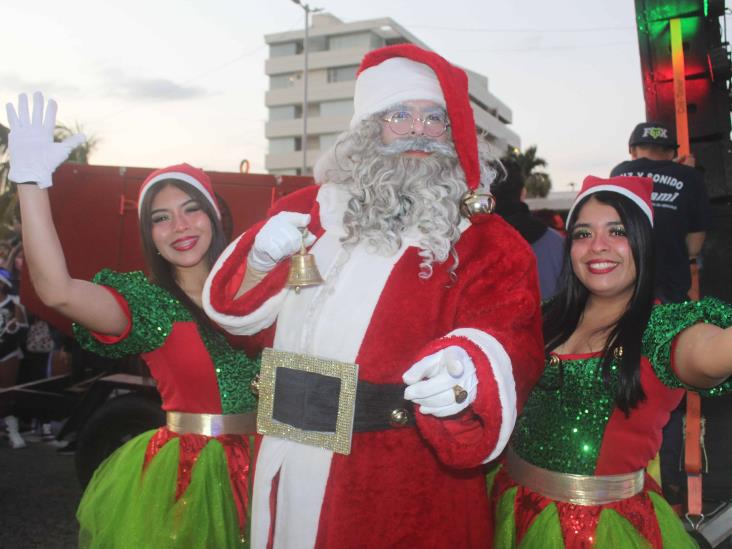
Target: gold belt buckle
(338, 441)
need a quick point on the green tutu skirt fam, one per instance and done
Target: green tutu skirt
(129, 504)
(527, 520)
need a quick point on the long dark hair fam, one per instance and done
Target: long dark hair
(162, 271)
(562, 314)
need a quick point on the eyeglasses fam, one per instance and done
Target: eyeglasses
(434, 124)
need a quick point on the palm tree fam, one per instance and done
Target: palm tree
(537, 183)
(8, 196)
(80, 154)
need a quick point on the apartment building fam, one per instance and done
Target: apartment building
(335, 51)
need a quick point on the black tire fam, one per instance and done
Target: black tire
(115, 422)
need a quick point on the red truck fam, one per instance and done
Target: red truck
(95, 211)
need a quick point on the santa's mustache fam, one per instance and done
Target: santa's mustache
(422, 144)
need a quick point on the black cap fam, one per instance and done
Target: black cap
(653, 133)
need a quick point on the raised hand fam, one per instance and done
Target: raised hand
(33, 154)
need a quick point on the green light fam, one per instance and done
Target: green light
(706, 8)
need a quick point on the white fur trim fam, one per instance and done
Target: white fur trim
(183, 177)
(304, 474)
(240, 325)
(642, 204)
(391, 82)
(503, 374)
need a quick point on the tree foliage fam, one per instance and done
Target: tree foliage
(537, 183)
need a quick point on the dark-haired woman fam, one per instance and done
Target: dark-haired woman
(184, 485)
(616, 366)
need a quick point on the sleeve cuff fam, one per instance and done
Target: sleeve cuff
(252, 312)
(480, 433)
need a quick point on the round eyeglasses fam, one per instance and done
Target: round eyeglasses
(434, 124)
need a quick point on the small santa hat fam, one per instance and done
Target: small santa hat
(637, 189)
(182, 172)
(405, 72)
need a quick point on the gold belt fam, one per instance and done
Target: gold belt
(577, 489)
(212, 425)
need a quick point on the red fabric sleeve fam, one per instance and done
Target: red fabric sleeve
(122, 302)
(227, 280)
(501, 300)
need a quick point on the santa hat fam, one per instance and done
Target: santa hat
(637, 189)
(182, 172)
(405, 72)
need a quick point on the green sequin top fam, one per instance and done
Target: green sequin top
(195, 368)
(570, 422)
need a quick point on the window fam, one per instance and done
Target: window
(285, 48)
(337, 108)
(287, 112)
(342, 74)
(282, 145)
(328, 140)
(347, 41)
(282, 81)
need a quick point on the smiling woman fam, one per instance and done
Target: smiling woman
(185, 484)
(609, 384)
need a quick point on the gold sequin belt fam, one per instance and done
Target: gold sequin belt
(211, 425)
(577, 489)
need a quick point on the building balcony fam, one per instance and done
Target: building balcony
(316, 93)
(316, 125)
(316, 60)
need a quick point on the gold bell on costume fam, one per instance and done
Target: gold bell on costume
(476, 202)
(303, 270)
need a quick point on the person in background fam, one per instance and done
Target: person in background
(186, 484)
(13, 324)
(546, 243)
(680, 203)
(616, 366)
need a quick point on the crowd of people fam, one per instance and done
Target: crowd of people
(416, 392)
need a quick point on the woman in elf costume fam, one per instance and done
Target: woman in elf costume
(616, 366)
(185, 484)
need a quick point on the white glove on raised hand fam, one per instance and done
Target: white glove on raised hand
(443, 383)
(279, 238)
(33, 154)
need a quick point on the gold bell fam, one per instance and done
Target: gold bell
(476, 202)
(303, 270)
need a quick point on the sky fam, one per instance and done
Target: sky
(159, 82)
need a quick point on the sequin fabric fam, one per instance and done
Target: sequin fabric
(563, 422)
(154, 311)
(670, 319)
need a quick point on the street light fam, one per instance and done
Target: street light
(307, 9)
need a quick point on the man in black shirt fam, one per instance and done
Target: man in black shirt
(680, 204)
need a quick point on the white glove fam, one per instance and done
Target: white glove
(279, 238)
(33, 154)
(440, 380)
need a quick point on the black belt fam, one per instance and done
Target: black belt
(309, 401)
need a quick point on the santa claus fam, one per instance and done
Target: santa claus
(428, 320)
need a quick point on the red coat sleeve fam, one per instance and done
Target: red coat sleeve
(498, 323)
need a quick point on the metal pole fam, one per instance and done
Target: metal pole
(677, 62)
(305, 95)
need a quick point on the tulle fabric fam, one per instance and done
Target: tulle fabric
(125, 506)
(540, 524)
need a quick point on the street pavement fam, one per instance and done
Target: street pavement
(39, 494)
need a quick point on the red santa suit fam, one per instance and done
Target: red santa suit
(420, 485)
